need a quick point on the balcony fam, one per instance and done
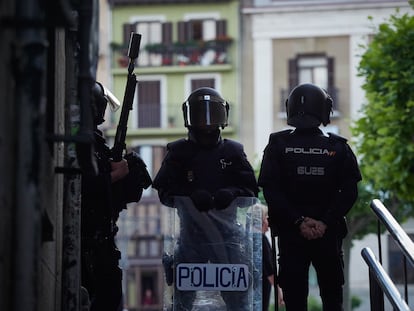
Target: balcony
(189, 53)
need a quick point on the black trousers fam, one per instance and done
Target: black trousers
(102, 276)
(296, 254)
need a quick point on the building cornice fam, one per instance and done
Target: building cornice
(304, 6)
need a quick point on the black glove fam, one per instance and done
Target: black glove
(202, 200)
(223, 198)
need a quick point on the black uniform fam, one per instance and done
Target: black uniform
(307, 174)
(101, 274)
(101, 203)
(189, 167)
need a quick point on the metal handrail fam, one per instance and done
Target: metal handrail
(380, 282)
(398, 234)
(383, 280)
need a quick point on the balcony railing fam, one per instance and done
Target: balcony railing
(165, 117)
(198, 53)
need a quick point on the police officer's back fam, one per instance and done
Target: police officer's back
(309, 181)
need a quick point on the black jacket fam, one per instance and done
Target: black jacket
(188, 167)
(306, 173)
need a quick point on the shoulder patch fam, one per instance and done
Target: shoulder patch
(337, 137)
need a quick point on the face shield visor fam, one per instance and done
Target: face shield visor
(113, 102)
(206, 111)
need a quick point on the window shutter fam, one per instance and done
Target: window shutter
(293, 73)
(331, 82)
(127, 29)
(167, 33)
(221, 28)
(331, 73)
(196, 83)
(149, 104)
(181, 32)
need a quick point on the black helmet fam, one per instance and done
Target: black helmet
(99, 103)
(101, 97)
(307, 106)
(205, 109)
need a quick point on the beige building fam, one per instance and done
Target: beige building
(290, 42)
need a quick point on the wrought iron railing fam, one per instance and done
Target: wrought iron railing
(196, 53)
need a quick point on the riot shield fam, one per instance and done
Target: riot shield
(213, 260)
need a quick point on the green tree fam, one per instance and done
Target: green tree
(384, 135)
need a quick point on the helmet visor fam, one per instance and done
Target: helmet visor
(208, 112)
(113, 102)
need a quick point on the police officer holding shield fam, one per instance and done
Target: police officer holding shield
(212, 171)
(309, 181)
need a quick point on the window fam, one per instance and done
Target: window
(152, 155)
(311, 68)
(149, 104)
(194, 81)
(201, 29)
(148, 246)
(143, 291)
(153, 32)
(314, 70)
(149, 295)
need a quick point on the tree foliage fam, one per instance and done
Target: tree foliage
(385, 132)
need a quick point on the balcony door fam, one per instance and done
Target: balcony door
(149, 104)
(196, 83)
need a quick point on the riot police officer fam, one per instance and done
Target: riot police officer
(309, 181)
(212, 171)
(103, 196)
